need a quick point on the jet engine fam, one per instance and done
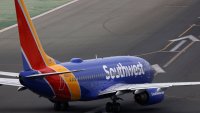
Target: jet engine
(149, 96)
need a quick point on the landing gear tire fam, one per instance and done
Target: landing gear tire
(116, 108)
(57, 106)
(109, 107)
(60, 106)
(65, 106)
(113, 107)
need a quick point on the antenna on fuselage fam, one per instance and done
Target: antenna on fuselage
(96, 56)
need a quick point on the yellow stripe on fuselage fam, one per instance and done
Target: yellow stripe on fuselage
(72, 85)
(48, 60)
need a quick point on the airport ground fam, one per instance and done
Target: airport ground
(115, 27)
(36, 7)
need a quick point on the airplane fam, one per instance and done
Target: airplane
(82, 80)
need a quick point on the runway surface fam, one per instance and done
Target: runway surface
(110, 28)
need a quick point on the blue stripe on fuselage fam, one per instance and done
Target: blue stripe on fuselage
(93, 79)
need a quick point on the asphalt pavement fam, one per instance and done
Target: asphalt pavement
(115, 27)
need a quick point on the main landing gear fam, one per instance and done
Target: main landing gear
(114, 106)
(58, 106)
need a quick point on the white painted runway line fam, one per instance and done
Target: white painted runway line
(43, 14)
(179, 54)
(178, 45)
(182, 41)
(191, 37)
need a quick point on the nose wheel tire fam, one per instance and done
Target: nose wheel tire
(113, 107)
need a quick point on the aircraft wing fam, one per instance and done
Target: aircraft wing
(10, 82)
(133, 87)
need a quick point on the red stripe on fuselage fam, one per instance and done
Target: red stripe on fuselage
(27, 41)
(59, 86)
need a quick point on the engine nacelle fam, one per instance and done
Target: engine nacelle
(149, 96)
